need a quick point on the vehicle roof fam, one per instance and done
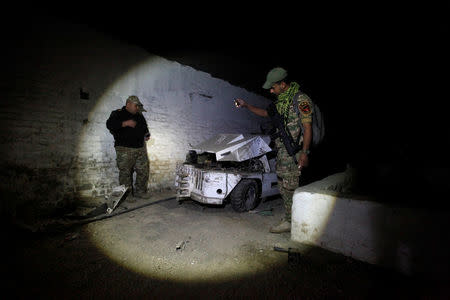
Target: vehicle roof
(235, 146)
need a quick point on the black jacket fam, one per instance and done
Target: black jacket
(127, 136)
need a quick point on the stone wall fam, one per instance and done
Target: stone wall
(63, 81)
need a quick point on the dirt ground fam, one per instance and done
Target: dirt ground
(158, 249)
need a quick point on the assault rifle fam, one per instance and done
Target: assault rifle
(277, 120)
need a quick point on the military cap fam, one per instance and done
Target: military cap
(274, 75)
(135, 99)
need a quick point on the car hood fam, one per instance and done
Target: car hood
(235, 147)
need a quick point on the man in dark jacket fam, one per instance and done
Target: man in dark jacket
(130, 131)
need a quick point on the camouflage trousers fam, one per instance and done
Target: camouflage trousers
(288, 179)
(130, 160)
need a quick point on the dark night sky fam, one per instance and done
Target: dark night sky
(377, 70)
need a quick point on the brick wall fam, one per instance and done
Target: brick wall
(63, 82)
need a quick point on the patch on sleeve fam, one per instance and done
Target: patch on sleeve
(305, 107)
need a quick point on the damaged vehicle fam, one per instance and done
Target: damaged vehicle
(229, 168)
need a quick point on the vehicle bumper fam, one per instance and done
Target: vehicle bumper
(205, 186)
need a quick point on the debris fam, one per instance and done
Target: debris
(71, 236)
(97, 211)
(68, 238)
(181, 245)
(294, 255)
(114, 198)
(264, 212)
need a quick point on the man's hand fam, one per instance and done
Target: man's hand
(129, 123)
(303, 161)
(239, 103)
(256, 110)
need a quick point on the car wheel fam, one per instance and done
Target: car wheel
(244, 196)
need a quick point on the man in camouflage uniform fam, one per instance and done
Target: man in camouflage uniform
(129, 128)
(287, 171)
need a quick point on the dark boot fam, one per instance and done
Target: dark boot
(284, 226)
(141, 194)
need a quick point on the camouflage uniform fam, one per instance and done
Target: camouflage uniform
(287, 170)
(129, 159)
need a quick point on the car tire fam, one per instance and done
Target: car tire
(244, 197)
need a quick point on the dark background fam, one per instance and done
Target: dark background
(337, 47)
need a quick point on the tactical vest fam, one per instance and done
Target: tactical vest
(295, 127)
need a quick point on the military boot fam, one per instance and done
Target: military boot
(142, 194)
(284, 226)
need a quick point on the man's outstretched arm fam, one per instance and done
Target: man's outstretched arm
(256, 110)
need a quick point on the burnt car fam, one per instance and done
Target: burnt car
(229, 168)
